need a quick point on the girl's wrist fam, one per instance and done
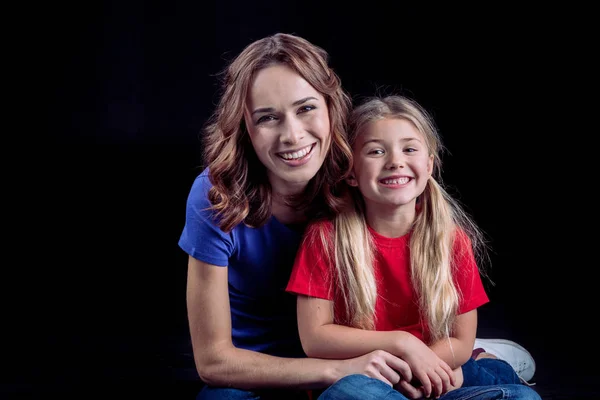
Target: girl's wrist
(404, 341)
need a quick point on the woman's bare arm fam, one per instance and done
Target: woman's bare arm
(220, 363)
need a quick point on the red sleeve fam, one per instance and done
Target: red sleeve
(468, 281)
(311, 271)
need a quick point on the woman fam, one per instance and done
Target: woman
(275, 149)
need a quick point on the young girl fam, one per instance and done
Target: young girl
(398, 268)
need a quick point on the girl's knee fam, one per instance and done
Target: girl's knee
(523, 392)
(360, 387)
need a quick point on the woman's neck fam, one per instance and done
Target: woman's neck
(281, 193)
(285, 213)
(284, 188)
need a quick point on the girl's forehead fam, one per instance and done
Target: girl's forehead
(400, 128)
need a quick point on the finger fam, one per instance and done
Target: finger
(409, 390)
(378, 375)
(425, 383)
(436, 384)
(446, 379)
(450, 372)
(400, 366)
(390, 374)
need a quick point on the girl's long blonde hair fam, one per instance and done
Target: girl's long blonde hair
(439, 222)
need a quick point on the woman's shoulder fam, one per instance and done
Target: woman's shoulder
(198, 201)
(200, 186)
(202, 180)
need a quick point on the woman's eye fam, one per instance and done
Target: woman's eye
(305, 108)
(265, 118)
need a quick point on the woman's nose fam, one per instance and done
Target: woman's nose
(291, 132)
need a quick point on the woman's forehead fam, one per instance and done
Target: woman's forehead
(277, 86)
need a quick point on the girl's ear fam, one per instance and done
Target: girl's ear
(351, 180)
(430, 165)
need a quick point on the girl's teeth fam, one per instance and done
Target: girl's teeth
(395, 181)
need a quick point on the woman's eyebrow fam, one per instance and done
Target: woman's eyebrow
(271, 109)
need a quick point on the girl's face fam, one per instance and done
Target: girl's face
(288, 123)
(391, 164)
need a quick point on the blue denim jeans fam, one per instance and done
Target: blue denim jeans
(221, 393)
(488, 371)
(484, 379)
(364, 388)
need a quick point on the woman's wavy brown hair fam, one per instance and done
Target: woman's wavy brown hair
(241, 191)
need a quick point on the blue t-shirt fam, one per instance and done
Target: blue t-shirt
(263, 314)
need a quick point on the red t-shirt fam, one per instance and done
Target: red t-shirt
(396, 306)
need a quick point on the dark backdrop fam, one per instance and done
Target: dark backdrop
(123, 90)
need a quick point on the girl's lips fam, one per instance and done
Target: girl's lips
(395, 182)
(399, 178)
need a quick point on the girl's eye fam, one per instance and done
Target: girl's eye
(265, 118)
(376, 152)
(410, 150)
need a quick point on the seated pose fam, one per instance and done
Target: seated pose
(397, 268)
(274, 149)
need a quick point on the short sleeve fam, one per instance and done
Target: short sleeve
(311, 273)
(467, 277)
(201, 237)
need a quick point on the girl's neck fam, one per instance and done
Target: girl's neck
(391, 223)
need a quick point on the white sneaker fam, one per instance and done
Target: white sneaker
(511, 352)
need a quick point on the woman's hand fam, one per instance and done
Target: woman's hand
(377, 364)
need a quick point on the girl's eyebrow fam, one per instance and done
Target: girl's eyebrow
(410, 139)
(294, 104)
(407, 139)
(366, 142)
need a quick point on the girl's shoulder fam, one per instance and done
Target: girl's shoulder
(462, 239)
(320, 224)
(318, 228)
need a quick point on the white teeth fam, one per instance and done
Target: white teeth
(296, 154)
(399, 181)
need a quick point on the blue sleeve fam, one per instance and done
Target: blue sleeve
(201, 237)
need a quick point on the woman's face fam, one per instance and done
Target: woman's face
(288, 123)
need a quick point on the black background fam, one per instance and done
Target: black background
(116, 94)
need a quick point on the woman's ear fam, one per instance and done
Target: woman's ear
(351, 180)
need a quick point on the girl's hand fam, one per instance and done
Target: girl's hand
(414, 393)
(432, 377)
